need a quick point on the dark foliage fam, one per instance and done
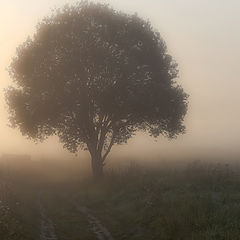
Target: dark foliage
(94, 76)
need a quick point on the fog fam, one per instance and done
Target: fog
(203, 37)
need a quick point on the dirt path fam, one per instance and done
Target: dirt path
(47, 230)
(47, 227)
(100, 231)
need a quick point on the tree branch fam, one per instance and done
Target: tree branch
(109, 148)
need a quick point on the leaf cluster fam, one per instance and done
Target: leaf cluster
(94, 76)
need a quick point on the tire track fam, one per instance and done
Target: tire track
(100, 231)
(47, 230)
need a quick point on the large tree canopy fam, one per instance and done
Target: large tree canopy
(94, 76)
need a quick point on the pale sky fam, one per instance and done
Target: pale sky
(203, 36)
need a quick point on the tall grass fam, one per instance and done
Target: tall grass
(193, 201)
(16, 215)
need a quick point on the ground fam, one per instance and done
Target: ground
(196, 200)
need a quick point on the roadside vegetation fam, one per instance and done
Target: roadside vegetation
(18, 216)
(193, 202)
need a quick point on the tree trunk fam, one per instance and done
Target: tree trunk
(97, 168)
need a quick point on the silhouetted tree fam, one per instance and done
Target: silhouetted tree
(94, 76)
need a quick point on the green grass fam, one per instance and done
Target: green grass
(192, 203)
(176, 202)
(69, 224)
(18, 216)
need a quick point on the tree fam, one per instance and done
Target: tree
(94, 76)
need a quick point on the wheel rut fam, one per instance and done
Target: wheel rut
(47, 230)
(97, 227)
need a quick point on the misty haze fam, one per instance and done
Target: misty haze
(119, 120)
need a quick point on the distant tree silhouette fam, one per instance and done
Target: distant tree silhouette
(94, 76)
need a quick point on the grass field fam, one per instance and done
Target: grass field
(185, 201)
